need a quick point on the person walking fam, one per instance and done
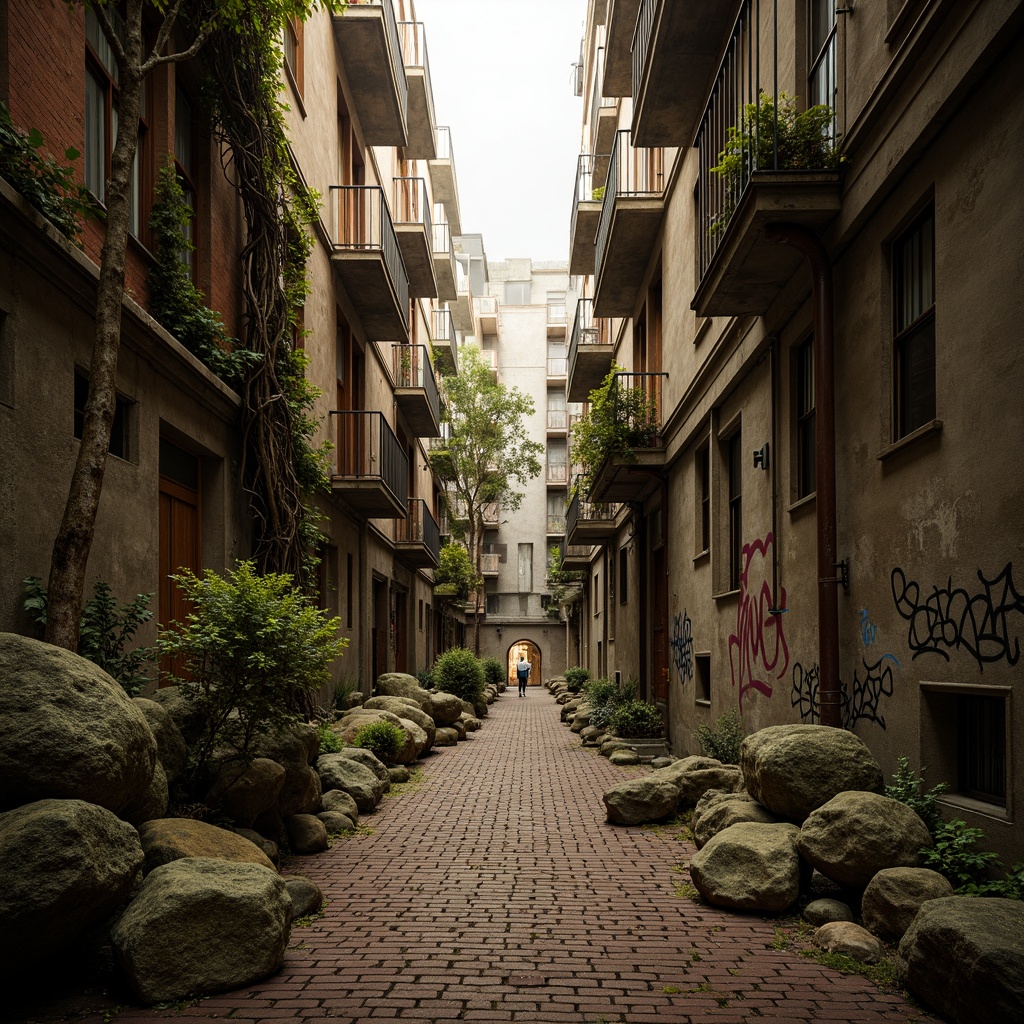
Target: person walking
(523, 674)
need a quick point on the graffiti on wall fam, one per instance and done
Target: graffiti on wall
(862, 699)
(952, 619)
(682, 646)
(758, 654)
(868, 630)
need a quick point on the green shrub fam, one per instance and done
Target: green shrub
(907, 786)
(575, 678)
(954, 855)
(105, 632)
(425, 678)
(330, 742)
(636, 719)
(383, 739)
(600, 692)
(343, 690)
(722, 740)
(494, 672)
(255, 650)
(458, 671)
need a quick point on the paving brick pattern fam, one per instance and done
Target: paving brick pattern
(495, 891)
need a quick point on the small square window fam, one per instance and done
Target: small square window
(981, 743)
(119, 433)
(702, 678)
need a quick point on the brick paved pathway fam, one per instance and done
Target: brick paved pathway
(495, 891)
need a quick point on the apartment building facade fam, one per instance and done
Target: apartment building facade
(379, 325)
(822, 523)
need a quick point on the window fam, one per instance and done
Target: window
(596, 594)
(558, 464)
(119, 433)
(421, 615)
(704, 500)
(735, 456)
(293, 53)
(981, 743)
(525, 568)
(821, 39)
(556, 359)
(556, 409)
(556, 512)
(556, 307)
(517, 293)
(492, 604)
(803, 360)
(913, 271)
(702, 678)
(623, 575)
(185, 165)
(101, 110)
(349, 591)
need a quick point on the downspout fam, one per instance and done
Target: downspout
(807, 243)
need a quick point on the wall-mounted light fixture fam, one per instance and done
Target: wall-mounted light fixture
(761, 457)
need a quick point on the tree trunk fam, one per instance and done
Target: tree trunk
(78, 526)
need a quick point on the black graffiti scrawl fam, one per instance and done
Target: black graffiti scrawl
(862, 700)
(986, 624)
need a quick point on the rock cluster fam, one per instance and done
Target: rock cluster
(190, 908)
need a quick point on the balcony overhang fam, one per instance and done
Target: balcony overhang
(370, 496)
(462, 312)
(635, 222)
(445, 276)
(419, 412)
(365, 277)
(746, 271)
(603, 137)
(581, 239)
(682, 58)
(445, 190)
(416, 246)
(592, 530)
(618, 44)
(588, 369)
(374, 71)
(416, 555)
(422, 131)
(629, 479)
(578, 556)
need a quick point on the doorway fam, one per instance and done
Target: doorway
(532, 654)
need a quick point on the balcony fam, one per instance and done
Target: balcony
(557, 421)
(556, 525)
(416, 389)
(445, 273)
(442, 179)
(371, 472)
(578, 556)
(604, 114)
(676, 51)
(444, 341)
(491, 515)
(588, 523)
(586, 213)
(633, 470)
(422, 144)
(368, 261)
(490, 563)
(557, 473)
(556, 364)
(760, 162)
(631, 213)
(557, 320)
(487, 314)
(590, 352)
(415, 234)
(462, 307)
(371, 54)
(618, 44)
(418, 537)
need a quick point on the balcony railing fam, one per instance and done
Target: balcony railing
(490, 563)
(412, 203)
(366, 451)
(636, 407)
(556, 524)
(558, 473)
(419, 531)
(744, 126)
(590, 351)
(586, 211)
(599, 101)
(584, 328)
(444, 340)
(557, 419)
(422, 139)
(597, 517)
(442, 177)
(416, 388)
(556, 366)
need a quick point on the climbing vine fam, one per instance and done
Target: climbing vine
(281, 464)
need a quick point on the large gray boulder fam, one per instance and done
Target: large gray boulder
(66, 866)
(170, 744)
(857, 834)
(964, 958)
(720, 814)
(200, 926)
(749, 866)
(895, 895)
(636, 801)
(306, 833)
(243, 791)
(301, 791)
(189, 718)
(368, 759)
(446, 708)
(340, 772)
(305, 894)
(849, 939)
(401, 684)
(339, 800)
(405, 708)
(348, 726)
(151, 804)
(169, 839)
(297, 743)
(792, 769)
(67, 730)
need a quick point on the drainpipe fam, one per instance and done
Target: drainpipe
(808, 243)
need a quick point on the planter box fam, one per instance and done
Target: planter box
(648, 749)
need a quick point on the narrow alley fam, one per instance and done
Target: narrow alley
(494, 890)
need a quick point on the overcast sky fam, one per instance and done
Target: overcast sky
(502, 78)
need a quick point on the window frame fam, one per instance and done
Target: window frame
(120, 445)
(804, 418)
(734, 462)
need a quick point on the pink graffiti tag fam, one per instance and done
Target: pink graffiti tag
(758, 653)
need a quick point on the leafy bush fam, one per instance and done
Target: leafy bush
(255, 651)
(105, 632)
(494, 672)
(907, 786)
(330, 742)
(458, 671)
(454, 575)
(600, 692)
(722, 740)
(955, 856)
(384, 739)
(343, 690)
(575, 678)
(425, 678)
(636, 719)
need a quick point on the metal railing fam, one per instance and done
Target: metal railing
(599, 101)
(419, 527)
(557, 419)
(556, 524)
(584, 189)
(395, 46)
(414, 53)
(365, 448)
(557, 365)
(587, 511)
(742, 118)
(442, 328)
(558, 472)
(411, 368)
(441, 233)
(584, 329)
(362, 222)
(557, 314)
(642, 41)
(633, 171)
(412, 204)
(636, 406)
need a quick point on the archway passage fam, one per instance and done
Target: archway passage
(532, 654)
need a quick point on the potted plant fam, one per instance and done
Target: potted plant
(642, 724)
